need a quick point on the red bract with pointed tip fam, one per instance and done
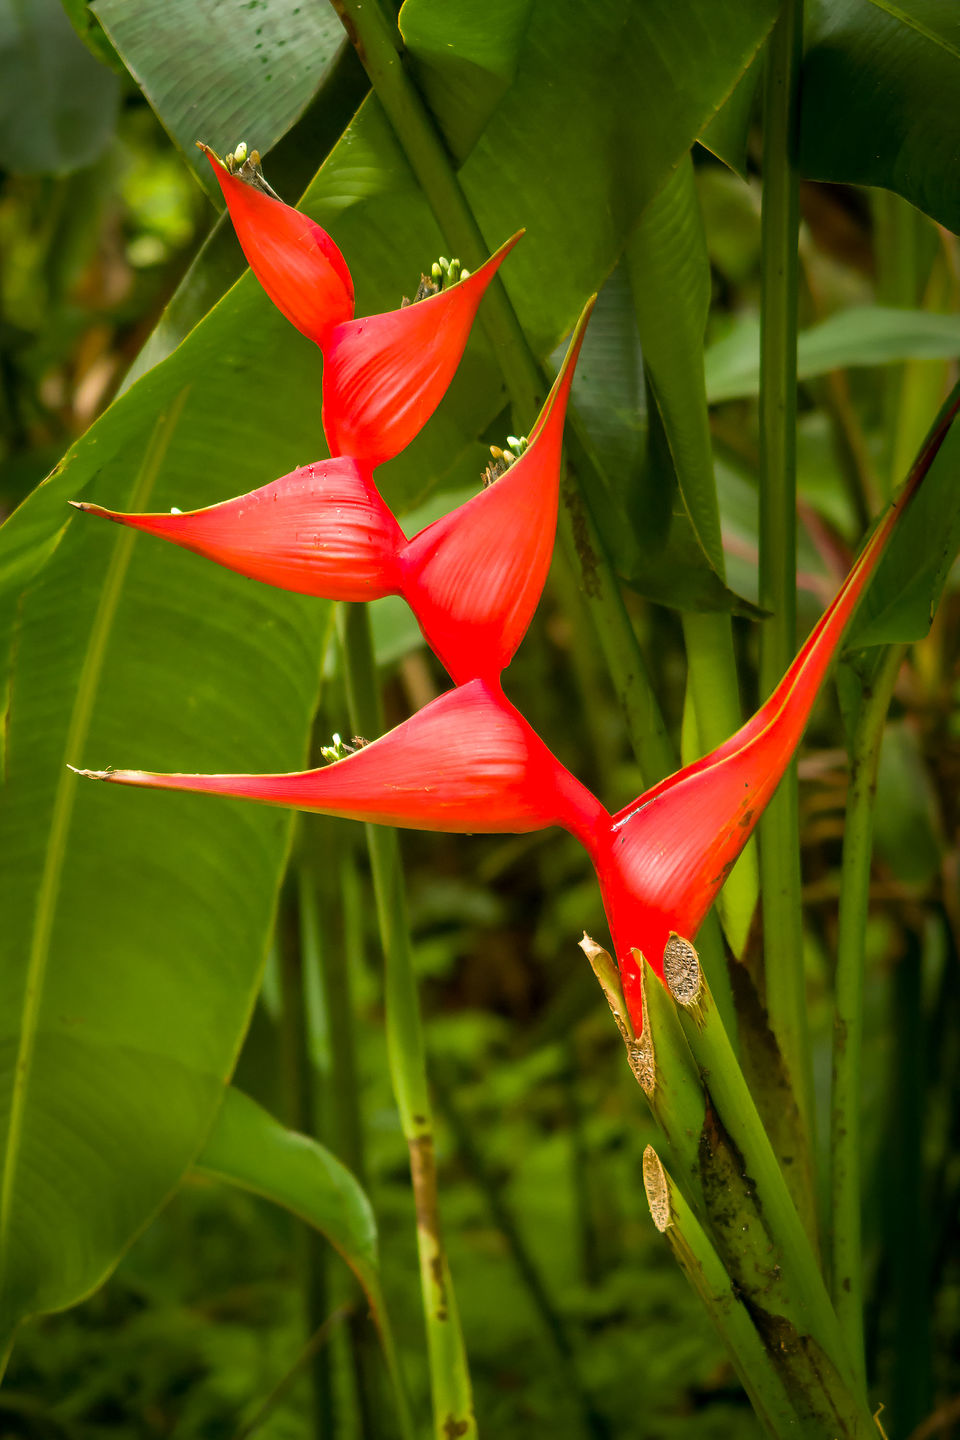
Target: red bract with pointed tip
(385, 375)
(666, 856)
(466, 763)
(294, 259)
(473, 579)
(321, 530)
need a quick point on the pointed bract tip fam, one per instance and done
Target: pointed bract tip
(90, 774)
(79, 504)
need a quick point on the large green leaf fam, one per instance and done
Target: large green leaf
(879, 85)
(463, 88)
(223, 73)
(249, 1148)
(910, 578)
(135, 924)
(133, 935)
(58, 105)
(670, 279)
(634, 493)
(862, 335)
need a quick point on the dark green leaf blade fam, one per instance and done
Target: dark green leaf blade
(879, 89)
(224, 73)
(58, 104)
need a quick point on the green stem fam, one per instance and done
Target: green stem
(780, 827)
(378, 44)
(301, 1114)
(845, 1174)
(811, 1346)
(326, 945)
(705, 1271)
(449, 1372)
(554, 1325)
(715, 696)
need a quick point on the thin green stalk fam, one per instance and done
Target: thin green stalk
(847, 1097)
(554, 1326)
(908, 1235)
(326, 946)
(449, 1372)
(811, 1348)
(378, 44)
(715, 696)
(706, 1273)
(314, 1346)
(780, 827)
(300, 1107)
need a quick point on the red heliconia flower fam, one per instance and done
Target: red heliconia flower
(295, 260)
(666, 856)
(467, 763)
(384, 375)
(321, 530)
(473, 578)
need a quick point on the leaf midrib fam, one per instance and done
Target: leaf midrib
(77, 731)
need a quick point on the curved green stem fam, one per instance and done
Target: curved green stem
(706, 1273)
(378, 44)
(449, 1371)
(779, 829)
(812, 1348)
(845, 1159)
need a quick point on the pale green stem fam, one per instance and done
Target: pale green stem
(705, 1271)
(836, 1393)
(780, 827)
(847, 1097)
(449, 1371)
(712, 684)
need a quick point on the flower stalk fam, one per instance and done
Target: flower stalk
(450, 1387)
(846, 1098)
(812, 1355)
(779, 843)
(705, 1271)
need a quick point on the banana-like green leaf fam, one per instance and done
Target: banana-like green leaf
(463, 88)
(58, 104)
(249, 1148)
(670, 278)
(224, 73)
(905, 592)
(862, 335)
(879, 87)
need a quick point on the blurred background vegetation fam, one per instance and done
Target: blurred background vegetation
(576, 1320)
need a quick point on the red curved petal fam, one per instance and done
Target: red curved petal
(294, 259)
(321, 530)
(467, 763)
(385, 375)
(474, 577)
(665, 857)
